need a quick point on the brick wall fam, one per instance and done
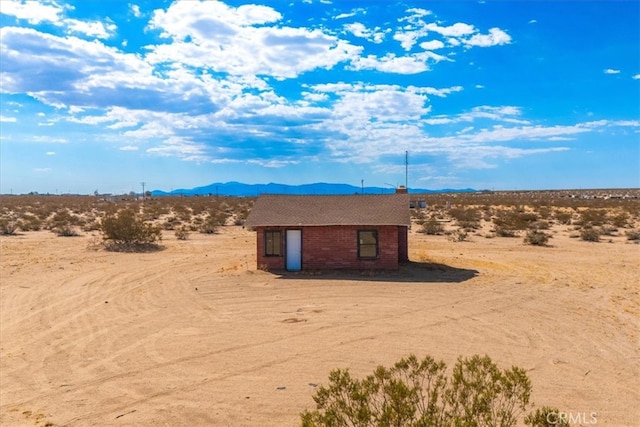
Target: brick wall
(336, 247)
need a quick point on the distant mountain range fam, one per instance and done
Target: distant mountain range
(240, 189)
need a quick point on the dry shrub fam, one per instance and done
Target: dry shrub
(633, 235)
(467, 218)
(563, 217)
(30, 222)
(590, 234)
(592, 217)
(214, 220)
(460, 235)
(126, 231)
(509, 222)
(432, 227)
(8, 226)
(536, 238)
(182, 233)
(620, 219)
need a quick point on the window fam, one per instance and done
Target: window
(272, 243)
(367, 244)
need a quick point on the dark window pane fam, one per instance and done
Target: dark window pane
(367, 244)
(272, 243)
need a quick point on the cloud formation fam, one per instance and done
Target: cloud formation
(254, 85)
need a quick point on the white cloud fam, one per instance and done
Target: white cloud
(432, 45)
(533, 21)
(479, 86)
(359, 30)
(505, 114)
(135, 10)
(181, 148)
(636, 77)
(456, 30)
(241, 41)
(410, 64)
(50, 153)
(49, 139)
(34, 12)
(8, 119)
(611, 71)
(37, 12)
(440, 92)
(354, 12)
(419, 12)
(495, 37)
(129, 148)
(91, 29)
(271, 163)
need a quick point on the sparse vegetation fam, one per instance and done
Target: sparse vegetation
(182, 233)
(509, 222)
(126, 231)
(432, 226)
(64, 223)
(633, 235)
(590, 234)
(8, 226)
(418, 393)
(467, 217)
(536, 238)
(460, 235)
(213, 220)
(546, 417)
(593, 217)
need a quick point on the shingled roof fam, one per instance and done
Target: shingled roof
(285, 210)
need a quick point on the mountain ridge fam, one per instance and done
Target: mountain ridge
(234, 188)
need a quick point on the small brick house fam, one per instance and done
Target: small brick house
(359, 232)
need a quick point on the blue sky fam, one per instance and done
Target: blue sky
(104, 95)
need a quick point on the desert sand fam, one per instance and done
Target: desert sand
(196, 335)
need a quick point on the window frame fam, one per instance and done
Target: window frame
(376, 244)
(269, 252)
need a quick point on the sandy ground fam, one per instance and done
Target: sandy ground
(194, 335)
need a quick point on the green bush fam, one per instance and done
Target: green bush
(416, 393)
(124, 230)
(546, 417)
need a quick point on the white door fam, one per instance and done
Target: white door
(294, 250)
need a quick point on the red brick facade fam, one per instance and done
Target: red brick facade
(336, 247)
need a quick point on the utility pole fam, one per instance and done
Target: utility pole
(143, 193)
(406, 170)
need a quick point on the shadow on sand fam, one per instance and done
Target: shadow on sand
(422, 272)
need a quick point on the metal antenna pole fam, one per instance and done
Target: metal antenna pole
(406, 170)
